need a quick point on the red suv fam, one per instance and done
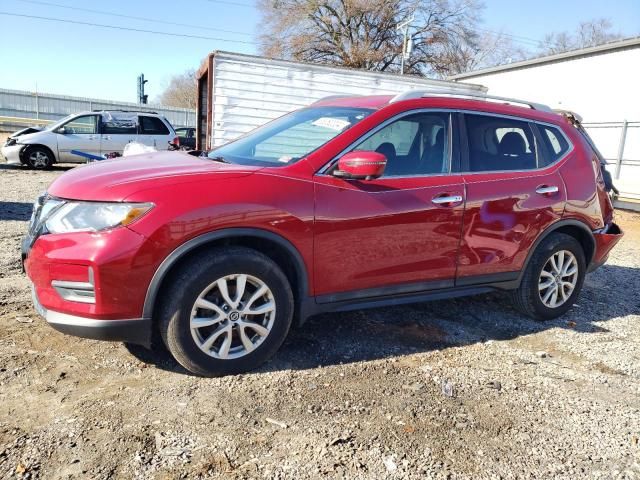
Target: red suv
(349, 203)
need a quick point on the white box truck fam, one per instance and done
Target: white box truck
(237, 93)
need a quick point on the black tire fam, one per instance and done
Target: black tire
(38, 157)
(192, 278)
(526, 298)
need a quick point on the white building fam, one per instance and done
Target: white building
(600, 83)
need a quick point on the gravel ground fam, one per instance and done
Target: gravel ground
(459, 389)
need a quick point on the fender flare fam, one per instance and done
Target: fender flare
(552, 228)
(176, 255)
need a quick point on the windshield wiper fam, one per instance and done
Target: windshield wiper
(218, 158)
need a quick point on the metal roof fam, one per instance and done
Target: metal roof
(572, 54)
(254, 59)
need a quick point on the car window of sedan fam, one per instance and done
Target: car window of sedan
(417, 144)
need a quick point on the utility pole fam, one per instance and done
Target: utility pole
(406, 43)
(142, 98)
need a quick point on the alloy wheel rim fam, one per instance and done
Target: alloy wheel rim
(558, 279)
(232, 316)
(38, 159)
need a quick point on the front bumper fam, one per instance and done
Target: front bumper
(136, 330)
(12, 154)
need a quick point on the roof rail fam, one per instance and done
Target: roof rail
(124, 111)
(334, 97)
(412, 94)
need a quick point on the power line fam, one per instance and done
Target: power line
(516, 38)
(115, 27)
(226, 2)
(132, 17)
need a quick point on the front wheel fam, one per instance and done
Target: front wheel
(553, 278)
(38, 157)
(226, 311)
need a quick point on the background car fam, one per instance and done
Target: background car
(186, 137)
(96, 133)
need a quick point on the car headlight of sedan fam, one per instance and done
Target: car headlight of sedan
(93, 216)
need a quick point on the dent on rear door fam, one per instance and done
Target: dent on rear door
(503, 217)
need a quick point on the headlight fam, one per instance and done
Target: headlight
(93, 216)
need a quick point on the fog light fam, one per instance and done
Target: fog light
(83, 292)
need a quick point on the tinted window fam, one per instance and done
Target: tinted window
(417, 144)
(185, 132)
(555, 142)
(153, 126)
(84, 125)
(497, 143)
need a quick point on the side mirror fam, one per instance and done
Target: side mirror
(61, 131)
(362, 165)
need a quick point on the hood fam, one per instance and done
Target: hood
(31, 137)
(114, 180)
(25, 131)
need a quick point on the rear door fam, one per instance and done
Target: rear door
(80, 133)
(399, 233)
(512, 195)
(153, 132)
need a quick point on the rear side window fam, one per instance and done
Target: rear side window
(153, 126)
(115, 127)
(555, 142)
(497, 144)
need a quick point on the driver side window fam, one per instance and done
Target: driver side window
(414, 145)
(85, 125)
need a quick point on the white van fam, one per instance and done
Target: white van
(94, 133)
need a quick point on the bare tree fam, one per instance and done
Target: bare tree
(588, 34)
(489, 49)
(363, 33)
(181, 91)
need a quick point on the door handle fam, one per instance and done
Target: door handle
(447, 199)
(106, 137)
(546, 190)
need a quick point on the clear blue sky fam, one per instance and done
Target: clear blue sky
(99, 62)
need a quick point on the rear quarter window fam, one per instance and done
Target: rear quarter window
(555, 142)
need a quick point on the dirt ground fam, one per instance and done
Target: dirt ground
(459, 389)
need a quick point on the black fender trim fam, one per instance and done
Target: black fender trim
(552, 228)
(178, 253)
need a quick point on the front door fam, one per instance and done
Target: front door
(512, 196)
(398, 233)
(81, 134)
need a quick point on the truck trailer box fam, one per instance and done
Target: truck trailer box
(237, 93)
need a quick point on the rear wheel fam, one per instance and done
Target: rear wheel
(226, 312)
(38, 157)
(553, 278)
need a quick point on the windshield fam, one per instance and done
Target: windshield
(290, 138)
(55, 125)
